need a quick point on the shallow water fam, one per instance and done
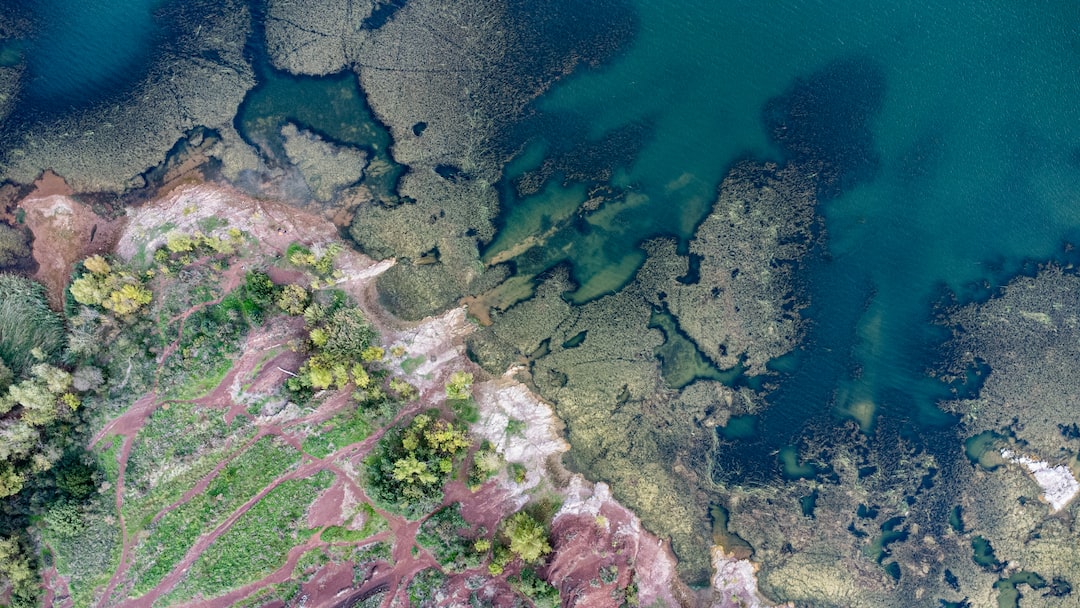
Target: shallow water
(953, 125)
(973, 166)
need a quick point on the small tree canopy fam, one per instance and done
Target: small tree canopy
(527, 537)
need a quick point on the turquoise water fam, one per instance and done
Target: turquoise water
(975, 168)
(82, 51)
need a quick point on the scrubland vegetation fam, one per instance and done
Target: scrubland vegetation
(170, 327)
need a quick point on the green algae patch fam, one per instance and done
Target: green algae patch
(891, 532)
(982, 553)
(533, 221)
(956, 519)
(981, 451)
(792, 468)
(1009, 588)
(681, 362)
(732, 543)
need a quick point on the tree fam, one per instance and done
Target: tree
(528, 539)
(410, 470)
(97, 265)
(65, 520)
(15, 567)
(293, 299)
(89, 290)
(56, 380)
(180, 243)
(10, 480)
(348, 334)
(86, 378)
(459, 386)
(128, 299)
(444, 438)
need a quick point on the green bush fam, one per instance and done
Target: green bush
(450, 539)
(425, 588)
(528, 538)
(408, 467)
(26, 324)
(540, 592)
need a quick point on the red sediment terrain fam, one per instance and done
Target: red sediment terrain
(599, 546)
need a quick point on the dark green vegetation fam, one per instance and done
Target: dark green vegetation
(14, 248)
(60, 380)
(426, 588)
(26, 323)
(407, 469)
(42, 470)
(541, 593)
(450, 539)
(220, 478)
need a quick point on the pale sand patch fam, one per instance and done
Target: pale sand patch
(1058, 484)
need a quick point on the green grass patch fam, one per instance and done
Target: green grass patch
(373, 524)
(515, 427)
(110, 457)
(177, 530)
(201, 385)
(140, 510)
(309, 563)
(211, 223)
(259, 542)
(411, 364)
(344, 429)
(465, 410)
(176, 437)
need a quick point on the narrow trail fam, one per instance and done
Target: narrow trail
(438, 344)
(131, 422)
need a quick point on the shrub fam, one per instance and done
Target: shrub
(459, 386)
(449, 538)
(540, 592)
(408, 467)
(528, 538)
(26, 323)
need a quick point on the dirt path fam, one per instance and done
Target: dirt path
(437, 346)
(131, 422)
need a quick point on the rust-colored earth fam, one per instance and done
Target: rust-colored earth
(607, 546)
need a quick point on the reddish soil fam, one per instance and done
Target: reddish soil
(326, 510)
(65, 231)
(582, 546)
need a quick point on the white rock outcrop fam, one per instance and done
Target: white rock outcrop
(1057, 482)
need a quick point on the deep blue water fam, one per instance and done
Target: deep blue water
(79, 53)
